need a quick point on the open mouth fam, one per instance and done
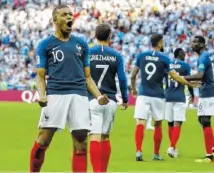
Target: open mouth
(69, 24)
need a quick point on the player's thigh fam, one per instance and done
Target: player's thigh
(96, 117)
(169, 111)
(206, 106)
(142, 108)
(179, 111)
(158, 108)
(55, 113)
(78, 115)
(109, 114)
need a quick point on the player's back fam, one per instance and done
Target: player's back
(64, 62)
(206, 64)
(104, 66)
(174, 90)
(153, 65)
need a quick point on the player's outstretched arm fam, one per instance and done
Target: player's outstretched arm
(133, 80)
(195, 77)
(181, 79)
(92, 88)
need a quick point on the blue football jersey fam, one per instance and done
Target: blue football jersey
(175, 91)
(153, 65)
(64, 63)
(206, 65)
(105, 64)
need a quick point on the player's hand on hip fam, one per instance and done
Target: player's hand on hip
(103, 99)
(124, 106)
(134, 92)
(43, 101)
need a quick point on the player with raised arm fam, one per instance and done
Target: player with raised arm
(152, 65)
(175, 112)
(64, 58)
(206, 98)
(105, 64)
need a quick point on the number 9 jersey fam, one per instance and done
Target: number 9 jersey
(153, 65)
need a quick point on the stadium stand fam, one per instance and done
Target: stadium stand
(23, 23)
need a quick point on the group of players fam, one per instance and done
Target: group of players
(77, 75)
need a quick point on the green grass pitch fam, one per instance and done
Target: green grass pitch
(18, 124)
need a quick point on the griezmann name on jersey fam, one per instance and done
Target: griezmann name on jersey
(174, 90)
(64, 63)
(105, 64)
(153, 65)
(206, 64)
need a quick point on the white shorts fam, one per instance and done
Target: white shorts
(175, 111)
(102, 117)
(61, 109)
(145, 106)
(206, 106)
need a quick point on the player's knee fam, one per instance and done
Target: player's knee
(95, 137)
(158, 123)
(204, 121)
(80, 135)
(177, 123)
(171, 124)
(80, 140)
(105, 137)
(141, 121)
(45, 136)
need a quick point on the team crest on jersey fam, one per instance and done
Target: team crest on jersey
(79, 50)
(37, 60)
(201, 66)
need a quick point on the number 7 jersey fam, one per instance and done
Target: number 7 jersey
(105, 64)
(153, 65)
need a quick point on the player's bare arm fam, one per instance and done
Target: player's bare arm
(92, 88)
(133, 80)
(181, 80)
(195, 77)
(41, 86)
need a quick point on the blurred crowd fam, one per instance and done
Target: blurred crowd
(24, 22)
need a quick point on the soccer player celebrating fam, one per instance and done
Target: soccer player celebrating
(64, 58)
(152, 65)
(176, 101)
(206, 97)
(105, 64)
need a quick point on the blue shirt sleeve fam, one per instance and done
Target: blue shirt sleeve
(137, 62)
(202, 63)
(122, 79)
(86, 61)
(168, 63)
(41, 55)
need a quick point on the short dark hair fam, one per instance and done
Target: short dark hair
(155, 38)
(177, 51)
(58, 7)
(102, 32)
(201, 39)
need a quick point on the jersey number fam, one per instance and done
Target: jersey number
(58, 56)
(105, 68)
(150, 69)
(170, 81)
